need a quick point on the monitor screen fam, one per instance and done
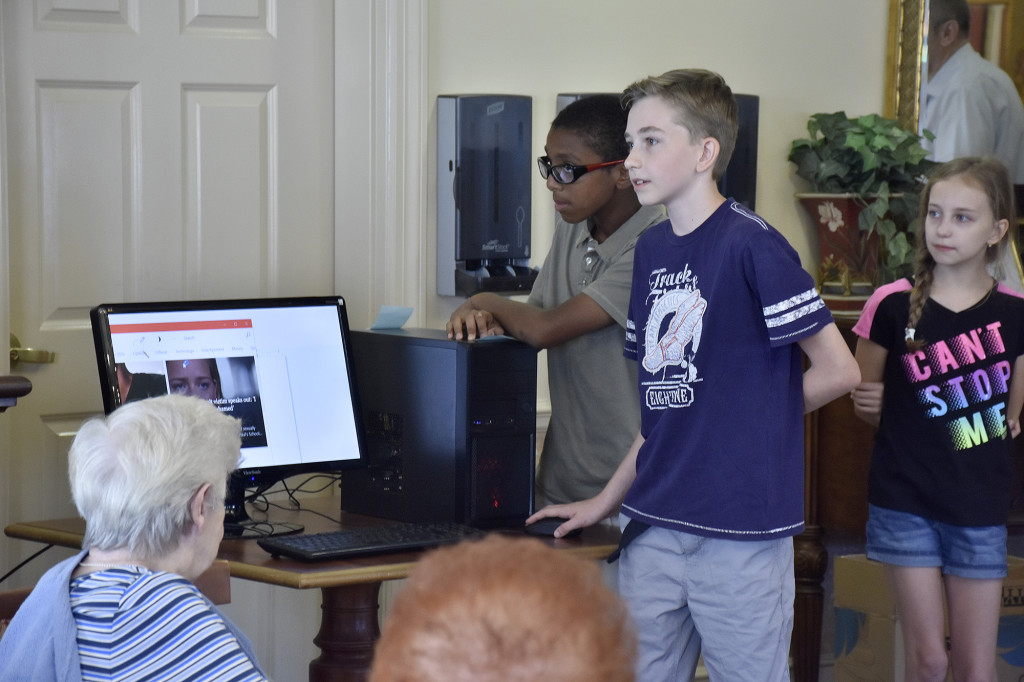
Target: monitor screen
(281, 366)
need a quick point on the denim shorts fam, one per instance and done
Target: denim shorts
(904, 539)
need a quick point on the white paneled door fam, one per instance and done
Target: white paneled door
(155, 150)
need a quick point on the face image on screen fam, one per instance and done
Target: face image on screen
(281, 366)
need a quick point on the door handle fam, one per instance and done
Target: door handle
(19, 354)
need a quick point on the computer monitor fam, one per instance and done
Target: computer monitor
(283, 366)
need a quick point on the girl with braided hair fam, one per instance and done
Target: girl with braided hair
(942, 366)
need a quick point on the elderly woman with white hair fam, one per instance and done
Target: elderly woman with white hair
(150, 481)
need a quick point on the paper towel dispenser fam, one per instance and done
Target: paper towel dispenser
(484, 160)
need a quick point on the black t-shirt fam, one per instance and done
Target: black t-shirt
(943, 449)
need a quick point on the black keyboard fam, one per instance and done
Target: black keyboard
(349, 542)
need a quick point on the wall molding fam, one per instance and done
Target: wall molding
(381, 154)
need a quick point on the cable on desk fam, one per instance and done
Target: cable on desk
(259, 499)
(302, 509)
(19, 566)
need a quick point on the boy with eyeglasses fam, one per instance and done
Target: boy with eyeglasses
(577, 309)
(712, 485)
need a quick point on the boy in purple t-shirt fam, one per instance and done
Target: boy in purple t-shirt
(720, 311)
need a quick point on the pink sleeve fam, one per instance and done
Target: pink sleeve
(1004, 289)
(867, 315)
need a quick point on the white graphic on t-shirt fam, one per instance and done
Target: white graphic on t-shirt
(671, 337)
(688, 307)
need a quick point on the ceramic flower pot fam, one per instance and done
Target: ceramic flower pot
(849, 258)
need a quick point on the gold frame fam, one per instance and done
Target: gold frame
(903, 61)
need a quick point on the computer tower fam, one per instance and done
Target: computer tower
(484, 170)
(740, 178)
(564, 99)
(450, 428)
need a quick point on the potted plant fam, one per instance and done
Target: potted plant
(866, 175)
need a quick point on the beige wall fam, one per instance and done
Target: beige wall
(799, 56)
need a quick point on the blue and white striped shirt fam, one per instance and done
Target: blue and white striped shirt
(136, 624)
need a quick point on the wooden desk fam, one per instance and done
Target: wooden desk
(350, 588)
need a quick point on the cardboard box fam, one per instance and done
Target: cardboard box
(869, 644)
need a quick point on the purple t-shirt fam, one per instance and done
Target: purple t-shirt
(713, 321)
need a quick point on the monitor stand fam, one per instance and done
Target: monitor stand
(237, 523)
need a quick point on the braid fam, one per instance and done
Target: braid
(923, 275)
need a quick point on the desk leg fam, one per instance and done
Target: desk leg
(348, 631)
(811, 564)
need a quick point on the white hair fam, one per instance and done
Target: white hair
(134, 472)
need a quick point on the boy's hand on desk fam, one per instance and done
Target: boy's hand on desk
(577, 515)
(469, 324)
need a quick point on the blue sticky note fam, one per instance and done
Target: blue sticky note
(391, 317)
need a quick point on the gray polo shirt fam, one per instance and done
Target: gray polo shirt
(595, 414)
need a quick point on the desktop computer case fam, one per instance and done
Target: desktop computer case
(450, 428)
